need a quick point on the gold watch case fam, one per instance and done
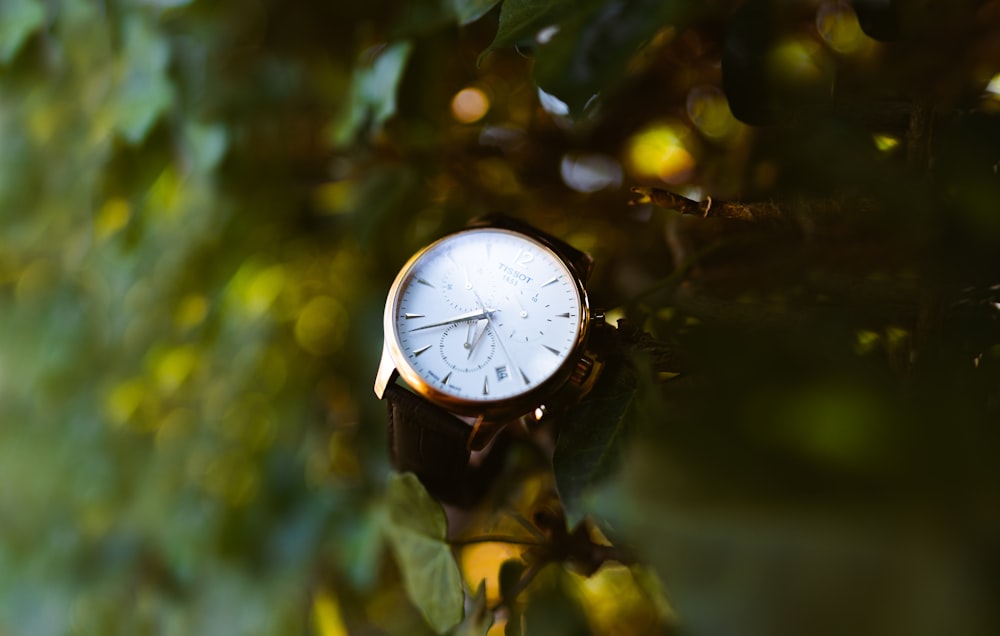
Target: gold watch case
(572, 377)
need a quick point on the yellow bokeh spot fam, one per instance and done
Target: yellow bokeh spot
(254, 288)
(482, 561)
(321, 326)
(469, 105)
(865, 341)
(124, 400)
(709, 110)
(264, 288)
(326, 614)
(660, 151)
(191, 311)
(174, 367)
(885, 143)
(113, 216)
(163, 195)
(615, 603)
(800, 62)
(837, 24)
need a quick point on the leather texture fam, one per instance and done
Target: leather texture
(434, 445)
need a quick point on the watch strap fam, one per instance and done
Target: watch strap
(434, 445)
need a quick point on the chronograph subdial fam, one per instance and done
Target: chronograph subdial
(467, 346)
(524, 318)
(458, 289)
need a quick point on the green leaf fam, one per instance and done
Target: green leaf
(206, 145)
(18, 20)
(589, 53)
(590, 439)
(479, 619)
(471, 10)
(144, 88)
(521, 20)
(373, 93)
(417, 528)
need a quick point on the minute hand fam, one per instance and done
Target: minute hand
(479, 314)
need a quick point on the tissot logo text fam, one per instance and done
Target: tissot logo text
(513, 276)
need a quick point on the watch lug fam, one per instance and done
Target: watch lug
(386, 373)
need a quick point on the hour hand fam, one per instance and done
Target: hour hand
(471, 315)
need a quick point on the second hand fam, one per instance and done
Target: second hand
(496, 334)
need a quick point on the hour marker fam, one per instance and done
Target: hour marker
(412, 316)
(565, 315)
(421, 350)
(423, 282)
(524, 377)
(486, 385)
(554, 280)
(446, 378)
(555, 351)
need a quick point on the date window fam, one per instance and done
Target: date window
(501, 373)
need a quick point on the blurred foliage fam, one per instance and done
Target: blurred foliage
(203, 204)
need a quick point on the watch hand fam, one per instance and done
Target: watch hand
(524, 312)
(472, 315)
(468, 336)
(496, 334)
(479, 337)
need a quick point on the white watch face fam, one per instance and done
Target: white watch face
(485, 315)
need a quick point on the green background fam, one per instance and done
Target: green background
(203, 203)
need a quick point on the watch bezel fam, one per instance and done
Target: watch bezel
(491, 409)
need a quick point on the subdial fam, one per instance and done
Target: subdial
(520, 319)
(468, 346)
(460, 291)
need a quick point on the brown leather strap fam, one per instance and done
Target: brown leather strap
(434, 445)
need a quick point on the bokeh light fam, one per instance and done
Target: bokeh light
(662, 151)
(470, 104)
(837, 24)
(885, 142)
(801, 62)
(590, 172)
(322, 326)
(709, 111)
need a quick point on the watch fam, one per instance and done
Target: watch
(486, 326)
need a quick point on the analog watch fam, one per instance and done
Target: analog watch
(485, 326)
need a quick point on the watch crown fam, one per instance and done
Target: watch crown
(584, 367)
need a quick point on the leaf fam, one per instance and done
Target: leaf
(144, 89)
(768, 73)
(521, 20)
(589, 445)
(206, 145)
(417, 528)
(18, 20)
(479, 619)
(373, 93)
(468, 11)
(589, 53)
